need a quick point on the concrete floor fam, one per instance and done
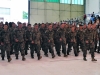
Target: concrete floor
(48, 66)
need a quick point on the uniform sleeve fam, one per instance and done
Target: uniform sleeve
(15, 34)
(2, 36)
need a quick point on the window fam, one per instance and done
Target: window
(37, 0)
(76, 1)
(65, 1)
(55, 1)
(82, 2)
(73, 1)
(5, 11)
(79, 2)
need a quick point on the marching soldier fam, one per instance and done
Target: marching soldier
(12, 37)
(28, 38)
(36, 42)
(73, 36)
(19, 38)
(5, 43)
(68, 40)
(49, 35)
(89, 37)
(42, 30)
(57, 39)
(81, 35)
(62, 34)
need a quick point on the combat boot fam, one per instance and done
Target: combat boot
(65, 55)
(53, 56)
(3, 58)
(46, 55)
(16, 57)
(26, 52)
(39, 57)
(32, 56)
(23, 58)
(9, 59)
(84, 59)
(94, 59)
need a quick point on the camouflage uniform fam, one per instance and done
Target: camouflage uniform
(28, 39)
(57, 41)
(12, 38)
(62, 34)
(99, 40)
(42, 30)
(89, 37)
(49, 35)
(95, 38)
(68, 40)
(73, 36)
(81, 35)
(19, 34)
(6, 40)
(36, 38)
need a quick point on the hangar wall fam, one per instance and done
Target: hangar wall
(92, 6)
(55, 10)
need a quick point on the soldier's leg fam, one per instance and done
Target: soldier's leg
(26, 47)
(38, 51)
(64, 49)
(92, 51)
(16, 48)
(95, 46)
(69, 46)
(22, 46)
(51, 50)
(78, 44)
(98, 51)
(12, 49)
(45, 45)
(2, 52)
(75, 49)
(7, 48)
(32, 48)
(58, 47)
(84, 51)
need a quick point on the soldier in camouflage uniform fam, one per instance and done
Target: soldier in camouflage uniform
(73, 36)
(42, 30)
(19, 38)
(1, 28)
(12, 37)
(89, 41)
(81, 35)
(62, 35)
(28, 38)
(68, 40)
(49, 35)
(36, 42)
(95, 32)
(57, 39)
(5, 43)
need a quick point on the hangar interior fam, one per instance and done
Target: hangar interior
(55, 10)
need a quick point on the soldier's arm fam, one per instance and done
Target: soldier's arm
(2, 37)
(15, 36)
(47, 35)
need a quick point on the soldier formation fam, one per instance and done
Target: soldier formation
(62, 36)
